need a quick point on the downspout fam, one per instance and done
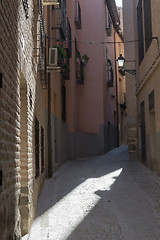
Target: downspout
(49, 105)
(117, 125)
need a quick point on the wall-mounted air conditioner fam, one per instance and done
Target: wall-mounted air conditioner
(53, 56)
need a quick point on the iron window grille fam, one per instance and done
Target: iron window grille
(109, 73)
(77, 15)
(36, 148)
(108, 23)
(26, 7)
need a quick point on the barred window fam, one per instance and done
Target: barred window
(36, 148)
(26, 7)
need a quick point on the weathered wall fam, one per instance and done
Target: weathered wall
(21, 99)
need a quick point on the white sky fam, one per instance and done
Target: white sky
(119, 3)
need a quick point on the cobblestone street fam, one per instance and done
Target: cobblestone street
(104, 198)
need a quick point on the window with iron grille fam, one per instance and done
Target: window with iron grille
(151, 101)
(36, 148)
(63, 18)
(26, 7)
(42, 149)
(69, 38)
(147, 23)
(77, 15)
(140, 31)
(109, 73)
(108, 22)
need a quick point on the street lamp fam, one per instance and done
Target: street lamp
(121, 61)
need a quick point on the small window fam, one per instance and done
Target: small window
(151, 101)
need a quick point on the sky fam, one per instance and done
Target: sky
(119, 3)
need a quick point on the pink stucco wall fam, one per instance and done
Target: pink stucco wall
(90, 105)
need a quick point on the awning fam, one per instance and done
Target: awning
(50, 2)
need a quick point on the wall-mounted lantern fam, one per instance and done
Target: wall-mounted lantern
(121, 61)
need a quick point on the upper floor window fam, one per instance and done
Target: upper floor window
(140, 31)
(26, 7)
(69, 38)
(108, 22)
(63, 17)
(144, 19)
(77, 14)
(147, 23)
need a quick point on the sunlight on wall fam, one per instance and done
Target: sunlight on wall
(63, 218)
(119, 3)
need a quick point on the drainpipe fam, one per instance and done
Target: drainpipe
(117, 125)
(49, 105)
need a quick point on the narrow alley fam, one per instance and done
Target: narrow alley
(106, 198)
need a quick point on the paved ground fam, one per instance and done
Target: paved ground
(101, 198)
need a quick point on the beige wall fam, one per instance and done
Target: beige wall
(147, 80)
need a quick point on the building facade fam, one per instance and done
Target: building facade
(91, 91)
(143, 31)
(147, 81)
(129, 52)
(23, 131)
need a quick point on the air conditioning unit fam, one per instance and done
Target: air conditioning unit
(53, 56)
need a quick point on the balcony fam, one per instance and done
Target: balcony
(122, 100)
(77, 19)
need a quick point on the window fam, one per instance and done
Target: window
(26, 7)
(77, 15)
(140, 31)
(147, 23)
(109, 71)
(151, 101)
(108, 23)
(63, 18)
(69, 38)
(36, 148)
(42, 149)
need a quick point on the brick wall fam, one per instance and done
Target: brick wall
(21, 99)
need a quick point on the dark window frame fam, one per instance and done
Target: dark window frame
(147, 24)
(69, 38)
(140, 31)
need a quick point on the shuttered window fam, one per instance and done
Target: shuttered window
(147, 23)
(140, 31)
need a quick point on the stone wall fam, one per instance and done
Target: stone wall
(21, 100)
